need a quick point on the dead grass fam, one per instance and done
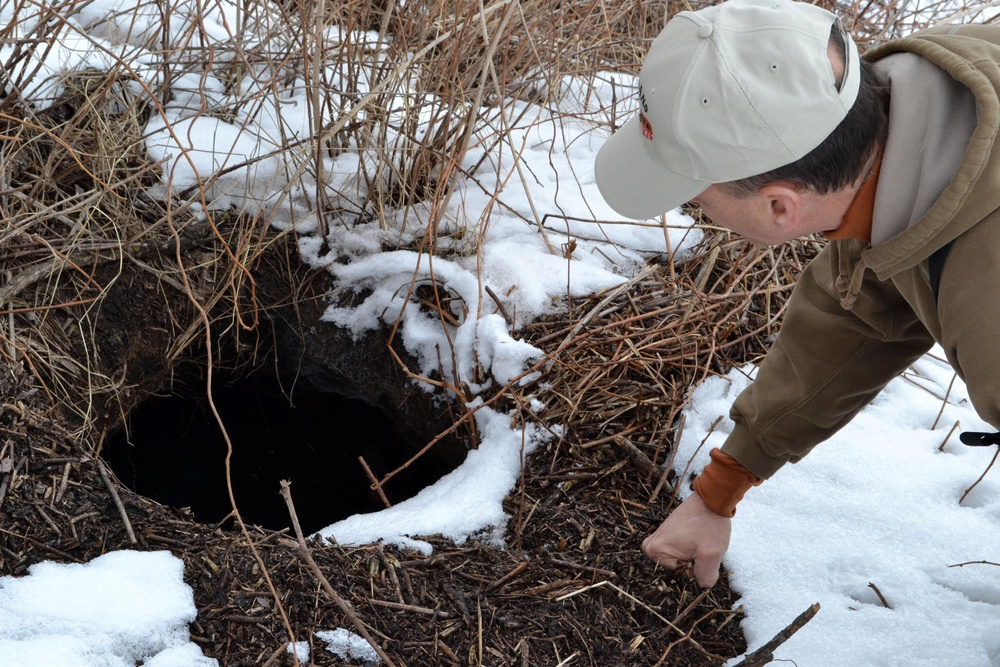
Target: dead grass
(407, 89)
(628, 359)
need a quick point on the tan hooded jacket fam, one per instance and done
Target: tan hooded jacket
(860, 314)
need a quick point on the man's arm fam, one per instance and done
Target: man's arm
(826, 365)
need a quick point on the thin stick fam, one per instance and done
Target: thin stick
(885, 603)
(670, 250)
(765, 653)
(518, 569)
(7, 468)
(944, 403)
(975, 562)
(374, 481)
(277, 654)
(680, 481)
(342, 604)
(117, 500)
(694, 603)
(426, 611)
(503, 311)
(976, 483)
(670, 462)
(948, 437)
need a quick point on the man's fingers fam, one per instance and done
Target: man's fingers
(706, 570)
(666, 558)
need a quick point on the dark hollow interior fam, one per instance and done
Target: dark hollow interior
(173, 451)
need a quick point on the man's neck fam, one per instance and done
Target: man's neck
(856, 222)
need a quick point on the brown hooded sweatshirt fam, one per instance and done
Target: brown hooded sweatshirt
(864, 311)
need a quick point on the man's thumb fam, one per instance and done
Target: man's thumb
(706, 570)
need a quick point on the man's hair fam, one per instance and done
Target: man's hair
(846, 154)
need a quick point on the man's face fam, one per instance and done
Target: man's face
(749, 217)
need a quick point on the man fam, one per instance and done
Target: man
(763, 113)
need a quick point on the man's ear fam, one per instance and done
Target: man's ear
(784, 203)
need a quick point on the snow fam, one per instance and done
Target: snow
(300, 650)
(118, 610)
(878, 504)
(349, 646)
(467, 501)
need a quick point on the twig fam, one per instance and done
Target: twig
(694, 603)
(117, 500)
(670, 463)
(448, 652)
(437, 613)
(976, 483)
(518, 569)
(975, 562)
(503, 311)
(375, 482)
(948, 437)
(635, 456)
(277, 654)
(765, 653)
(6, 467)
(585, 568)
(342, 604)
(687, 467)
(687, 638)
(944, 403)
(885, 603)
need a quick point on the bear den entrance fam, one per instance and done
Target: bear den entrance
(173, 451)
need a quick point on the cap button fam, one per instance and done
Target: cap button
(705, 31)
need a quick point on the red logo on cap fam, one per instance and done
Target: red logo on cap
(647, 127)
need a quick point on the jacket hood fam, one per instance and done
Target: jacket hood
(970, 55)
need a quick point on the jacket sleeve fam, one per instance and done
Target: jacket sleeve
(969, 312)
(826, 364)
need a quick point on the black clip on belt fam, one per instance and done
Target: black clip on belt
(974, 439)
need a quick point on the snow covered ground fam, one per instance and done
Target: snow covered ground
(878, 504)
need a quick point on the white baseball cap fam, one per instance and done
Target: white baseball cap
(725, 93)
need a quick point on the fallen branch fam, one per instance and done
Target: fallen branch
(765, 653)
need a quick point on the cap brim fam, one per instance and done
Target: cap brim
(634, 184)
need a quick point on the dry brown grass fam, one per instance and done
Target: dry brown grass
(628, 359)
(408, 89)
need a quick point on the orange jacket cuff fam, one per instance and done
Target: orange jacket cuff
(723, 482)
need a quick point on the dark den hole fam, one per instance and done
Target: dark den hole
(174, 453)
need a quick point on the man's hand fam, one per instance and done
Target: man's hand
(692, 533)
